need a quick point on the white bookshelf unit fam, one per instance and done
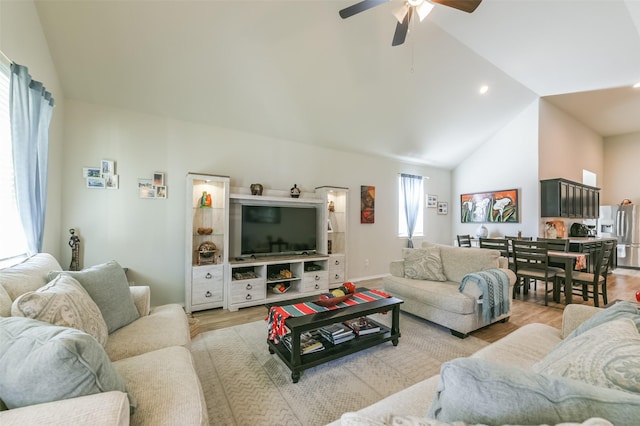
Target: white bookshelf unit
(207, 226)
(337, 202)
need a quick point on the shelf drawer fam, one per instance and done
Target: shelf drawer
(336, 262)
(248, 290)
(207, 284)
(316, 280)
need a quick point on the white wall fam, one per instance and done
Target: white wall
(567, 146)
(22, 40)
(621, 169)
(147, 235)
(508, 160)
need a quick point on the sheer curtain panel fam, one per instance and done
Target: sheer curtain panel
(411, 189)
(30, 107)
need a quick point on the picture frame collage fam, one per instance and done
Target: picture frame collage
(103, 177)
(153, 188)
(433, 203)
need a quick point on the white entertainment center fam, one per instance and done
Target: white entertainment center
(224, 267)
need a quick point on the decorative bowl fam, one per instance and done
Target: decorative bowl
(332, 301)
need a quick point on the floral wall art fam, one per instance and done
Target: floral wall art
(491, 206)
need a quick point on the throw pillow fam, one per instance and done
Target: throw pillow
(478, 391)
(65, 303)
(423, 264)
(108, 286)
(43, 363)
(607, 356)
(622, 309)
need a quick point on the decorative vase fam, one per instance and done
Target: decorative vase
(256, 189)
(482, 232)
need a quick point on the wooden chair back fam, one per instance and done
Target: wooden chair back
(530, 255)
(464, 240)
(556, 244)
(500, 244)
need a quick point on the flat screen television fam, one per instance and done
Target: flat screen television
(277, 230)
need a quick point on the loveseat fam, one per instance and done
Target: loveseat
(432, 291)
(586, 371)
(128, 363)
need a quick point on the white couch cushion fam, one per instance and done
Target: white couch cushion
(63, 302)
(460, 261)
(423, 264)
(607, 355)
(29, 275)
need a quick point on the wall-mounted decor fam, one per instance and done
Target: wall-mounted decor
(432, 201)
(443, 207)
(367, 204)
(490, 206)
(101, 177)
(153, 188)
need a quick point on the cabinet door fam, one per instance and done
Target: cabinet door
(565, 197)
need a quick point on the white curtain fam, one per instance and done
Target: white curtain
(411, 185)
(30, 107)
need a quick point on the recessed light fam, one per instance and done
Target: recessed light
(637, 85)
(484, 89)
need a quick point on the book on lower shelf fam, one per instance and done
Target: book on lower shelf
(362, 326)
(337, 333)
(310, 342)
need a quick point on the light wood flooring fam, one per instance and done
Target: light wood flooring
(621, 284)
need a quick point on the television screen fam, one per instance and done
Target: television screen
(278, 230)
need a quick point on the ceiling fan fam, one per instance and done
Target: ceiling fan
(409, 7)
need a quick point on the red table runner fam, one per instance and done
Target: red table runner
(278, 314)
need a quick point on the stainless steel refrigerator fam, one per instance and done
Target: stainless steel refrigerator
(623, 223)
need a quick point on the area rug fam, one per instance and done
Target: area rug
(245, 385)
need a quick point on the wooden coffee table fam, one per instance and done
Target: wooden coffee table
(297, 362)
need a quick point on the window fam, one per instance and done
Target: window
(13, 242)
(402, 217)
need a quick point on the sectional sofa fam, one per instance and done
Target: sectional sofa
(80, 348)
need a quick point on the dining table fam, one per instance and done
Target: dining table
(571, 260)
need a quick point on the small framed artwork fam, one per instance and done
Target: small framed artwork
(91, 172)
(158, 179)
(432, 201)
(367, 203)
(443, 207)
(111, 182)
(146, 188)
(161, 191)
(95, 183)
(108, 167)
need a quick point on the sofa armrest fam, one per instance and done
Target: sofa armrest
(142, 299)
(574, 315)
(108, 408)
(397, 268)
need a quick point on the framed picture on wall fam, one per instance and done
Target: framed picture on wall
(432, 201)
(443, 207)
(490, 206)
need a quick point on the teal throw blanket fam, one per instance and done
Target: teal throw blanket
(496, 297)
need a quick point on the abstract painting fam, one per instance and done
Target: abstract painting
(367, 204)
(491, 206)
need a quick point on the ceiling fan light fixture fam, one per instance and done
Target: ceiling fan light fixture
(637, 85)
(401, 12)
(484, 89)
(424, 9)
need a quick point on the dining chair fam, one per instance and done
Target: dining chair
(464, 240)
(499, 244)
(531, 261)
(556, 244)
(508, 237)
(586, 284)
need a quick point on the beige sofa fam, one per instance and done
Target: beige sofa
(518, 361)
(441, 301)
(152, 355)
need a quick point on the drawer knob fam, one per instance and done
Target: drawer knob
(337, 276)
(248, 297)
(208, 294)
(208, 276)
(317, 277)
(317, 286)
(337, 262)
(249, 287)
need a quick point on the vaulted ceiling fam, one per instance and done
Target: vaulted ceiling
(293, 69)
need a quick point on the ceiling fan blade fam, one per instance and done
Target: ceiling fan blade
(463, 5)
(401, 29)
(401, 12)
(360, 7)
